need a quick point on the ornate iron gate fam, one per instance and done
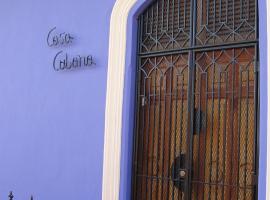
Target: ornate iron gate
(197, 101)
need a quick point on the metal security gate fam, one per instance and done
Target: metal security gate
(197, 101)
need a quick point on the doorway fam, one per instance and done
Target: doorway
(197, 101)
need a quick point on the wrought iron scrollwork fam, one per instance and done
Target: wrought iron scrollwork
(11, 196)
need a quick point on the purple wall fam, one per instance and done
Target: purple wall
(263, 98)
(129, 100)
(52, 123)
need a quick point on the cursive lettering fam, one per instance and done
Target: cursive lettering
(62, 61)
(57, 39)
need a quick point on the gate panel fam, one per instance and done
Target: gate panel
(224, 145)
(162, 126)
(196, 128)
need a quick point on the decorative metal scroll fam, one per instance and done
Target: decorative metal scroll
(11, 196)
(167, 24)
(225, 21)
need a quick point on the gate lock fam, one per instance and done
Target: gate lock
(182, 173)
(178, 172)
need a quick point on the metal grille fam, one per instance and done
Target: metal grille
(165, 26)
(197, 99)
(224, 152)
(225, 21)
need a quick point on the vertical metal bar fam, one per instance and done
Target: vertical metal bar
(173, 24)
(175, 123)
(232, 119)
(168, 14)
(178, 13)
(147, 136)
(157, 19)
(206, 123)
(202, 4)
(257, 102)
(164, 131)
(212, 127)
(142, 142)
(224, 134)
(158, 131)
(189, 138)
(185, 6)
(152, 19)
(241, 9)
(256, 21)
(142, 138)
(196, 93)
(248, 10)
(220, 10)
(143, 120)
(256, 119)
(159, 134)
(193, 18)
(147, 21)
(199, 138)
(153, 131)
(247, 132)
(181, 124)
(233, 8)
(207, 12)
(218, 129)
(239, 129)
(170, 126)
(140, 33)
(227, 10)
(136, 118)
(214, 20)
(162, 15)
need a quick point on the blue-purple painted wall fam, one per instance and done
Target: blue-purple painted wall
(52, 123)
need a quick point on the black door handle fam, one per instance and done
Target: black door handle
(178, 172)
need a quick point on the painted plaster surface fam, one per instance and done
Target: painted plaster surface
(52, 123)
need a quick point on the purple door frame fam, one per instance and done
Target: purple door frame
(129, 100)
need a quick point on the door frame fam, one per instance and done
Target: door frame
(120, 100)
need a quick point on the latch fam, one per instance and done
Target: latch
(144, 101)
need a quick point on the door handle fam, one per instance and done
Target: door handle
(182, 173)
(178, 172)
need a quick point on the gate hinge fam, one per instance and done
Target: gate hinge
(254, 178)
(257, 67)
